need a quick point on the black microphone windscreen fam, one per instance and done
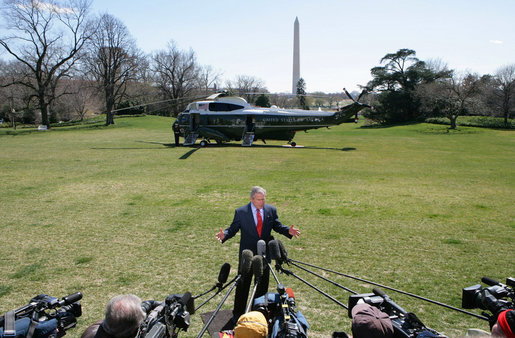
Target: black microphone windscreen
(187, 300)
(246, 261)
(224, 273)
(489, 281)
(71, 299)
(275, 253)
(257, 266)
(282, 250)
(261, 248)
(379, 292)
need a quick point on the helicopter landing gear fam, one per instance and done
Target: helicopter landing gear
(203, 143)
(293, 144)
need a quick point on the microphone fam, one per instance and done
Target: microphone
(241, 280)
(74, 297)
(185, 300)
(490, 281)
(223, 275)
(261, 248)
(257, 269)
(275, 252)
(284, 253)
(379, 292)
(291, 297)
(246, 262)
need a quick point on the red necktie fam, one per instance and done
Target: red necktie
(259, 222)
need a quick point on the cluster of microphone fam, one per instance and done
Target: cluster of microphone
(256, 267)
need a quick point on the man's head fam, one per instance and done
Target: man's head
(258, 196)
(505, 325)
(123, 316)
(369, 321)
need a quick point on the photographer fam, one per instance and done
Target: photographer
(44, 316)
(369, 321)
(505, 324)
(123, 316)
(42, 330)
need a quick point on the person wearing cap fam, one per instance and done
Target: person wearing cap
(505, 325)
(252, 324)
(369, 322)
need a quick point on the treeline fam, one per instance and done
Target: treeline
(65, 63)
(405, 89)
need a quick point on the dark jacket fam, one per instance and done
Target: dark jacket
(244, 221)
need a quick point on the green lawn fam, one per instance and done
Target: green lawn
(118, 210)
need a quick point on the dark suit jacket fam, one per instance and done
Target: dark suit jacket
(244, 221)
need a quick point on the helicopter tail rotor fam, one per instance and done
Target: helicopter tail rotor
(359, 97)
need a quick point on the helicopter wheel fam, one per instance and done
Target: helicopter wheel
(203, 143)
(293, 144)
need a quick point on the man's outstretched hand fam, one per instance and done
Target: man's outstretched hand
(292, 231)
(220, 236)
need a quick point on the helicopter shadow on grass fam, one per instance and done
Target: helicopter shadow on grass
(263, 146)
(197, 147)
(172, 145)
(137, 148)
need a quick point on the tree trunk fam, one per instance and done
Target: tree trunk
(44, 113)
(453, 121)
(109, 118)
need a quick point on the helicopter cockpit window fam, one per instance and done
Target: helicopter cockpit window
(184, 118)
(190, 107)
(219, 106)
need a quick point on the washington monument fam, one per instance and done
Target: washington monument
(296, 57)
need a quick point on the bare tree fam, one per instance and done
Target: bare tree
(247, 86)
(207, 79)
(452, 96)
(83, 98)
(112, 60)
(176, 73)
(505, 90)
(46, 38)
(18, 105)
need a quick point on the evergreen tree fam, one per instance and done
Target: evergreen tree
(301, 94)
(396, 83)
(263, 101)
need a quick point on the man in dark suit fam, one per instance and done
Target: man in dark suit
(256, 221)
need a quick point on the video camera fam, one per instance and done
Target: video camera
(44, 316)
(285, 321)
(405, 324)
(493, 298)
(164, 318)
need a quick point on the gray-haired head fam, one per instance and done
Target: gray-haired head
(123, 316)
(257, 190)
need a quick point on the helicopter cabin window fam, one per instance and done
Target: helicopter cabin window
(219, 106)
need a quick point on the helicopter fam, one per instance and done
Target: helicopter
(222, 117)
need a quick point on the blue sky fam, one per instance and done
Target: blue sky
(340, 41)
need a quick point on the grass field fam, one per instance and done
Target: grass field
(118, 210)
